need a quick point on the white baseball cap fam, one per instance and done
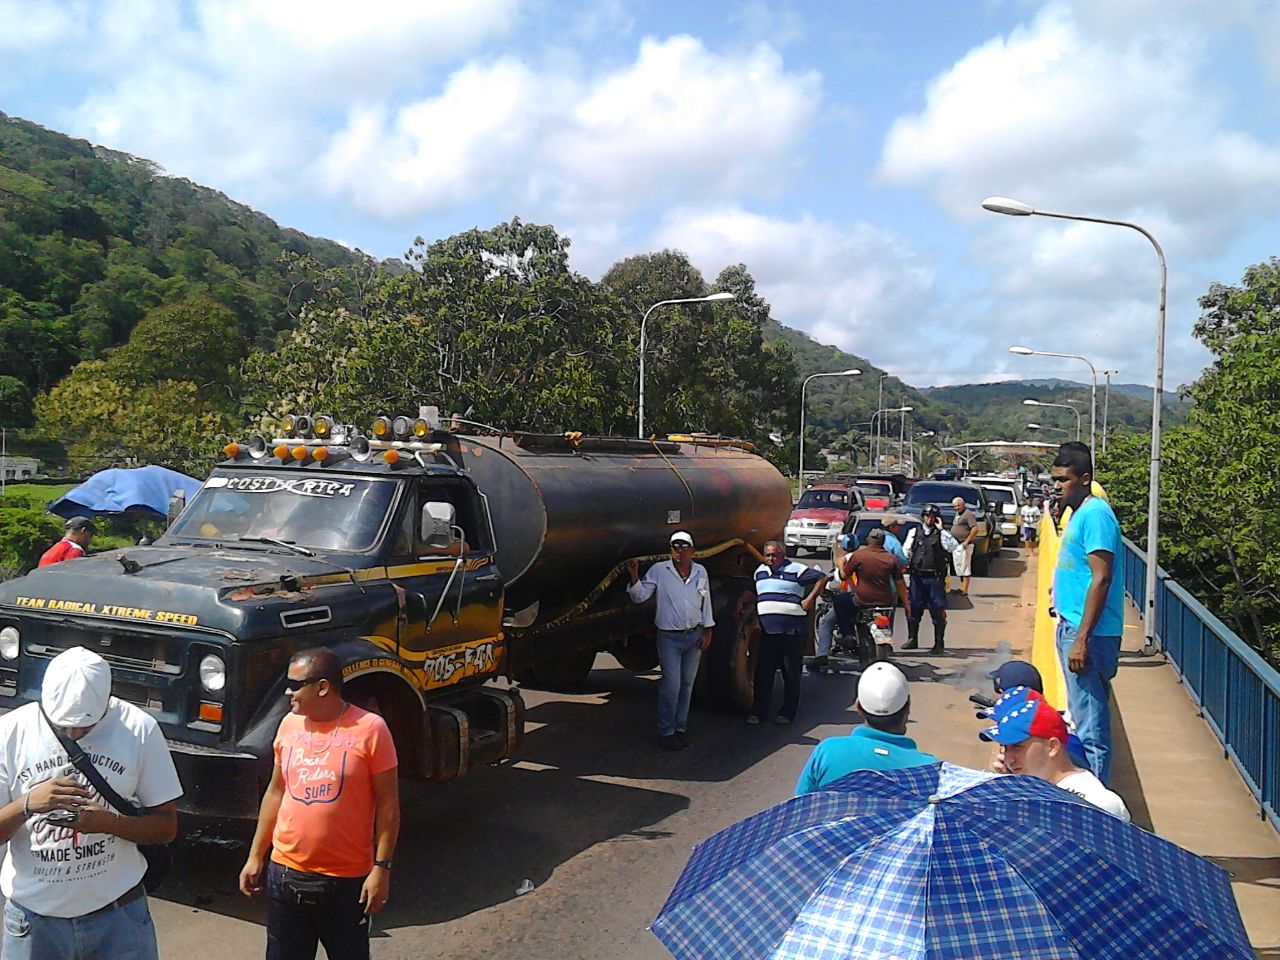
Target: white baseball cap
(882, 690)
(76, 688)
(682, 536)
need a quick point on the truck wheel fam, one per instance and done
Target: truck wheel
(639, 654)
(564, 673)
(730, 663)
(981, 564)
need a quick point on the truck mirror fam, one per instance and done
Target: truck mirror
(415, 607)
(437, 525)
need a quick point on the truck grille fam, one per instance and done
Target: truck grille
(143, 654)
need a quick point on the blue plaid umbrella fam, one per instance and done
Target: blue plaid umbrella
(940, 862)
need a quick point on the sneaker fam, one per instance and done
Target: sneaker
(782, 720)
(683, 738)
(670, 742)
(753, 720)
(937, 650)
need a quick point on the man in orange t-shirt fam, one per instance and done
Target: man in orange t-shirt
(78, 531)
(332, 815)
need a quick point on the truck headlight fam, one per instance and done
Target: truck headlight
(9, 638)
(213, 673)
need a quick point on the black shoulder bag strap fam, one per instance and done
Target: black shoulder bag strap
(158, 856)
(79, 760)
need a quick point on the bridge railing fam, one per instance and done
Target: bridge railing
(1236, 691)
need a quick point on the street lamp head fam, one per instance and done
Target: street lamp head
(718, 297)
(1032, 403)
(850, 373)
(1010, 208)
(1022, 351)
(1034, 426)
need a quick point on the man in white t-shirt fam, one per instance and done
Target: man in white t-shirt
(72, 874)
(1033, 741)
(1031, 514)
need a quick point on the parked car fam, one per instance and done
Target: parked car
(863, 522)
(989, 540)
(878, 494)
(1005, 494)
(819, 515)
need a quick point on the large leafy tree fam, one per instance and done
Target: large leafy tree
(1220, 491)
(491, 325)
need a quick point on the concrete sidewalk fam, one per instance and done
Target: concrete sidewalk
(1171, 771)
(1168, 765)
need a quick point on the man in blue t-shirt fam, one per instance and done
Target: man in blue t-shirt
(1089, 597)
(884, 701)
(786, 591)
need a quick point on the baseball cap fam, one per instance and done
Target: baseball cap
(682, 536)
(1021, 713)
(76, 688)
(882, 690)
(79, 523)
(1016, 673)
(875, 535)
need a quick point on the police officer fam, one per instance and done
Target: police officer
(927, 551)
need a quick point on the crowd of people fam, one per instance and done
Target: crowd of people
(1031, 736)
(88, 793)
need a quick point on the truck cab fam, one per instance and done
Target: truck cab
(384, 555)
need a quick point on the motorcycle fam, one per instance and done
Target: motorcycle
(860, 638)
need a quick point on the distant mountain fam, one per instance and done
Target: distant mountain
(1140, 390)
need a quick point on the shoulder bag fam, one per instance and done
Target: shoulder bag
(158, 855)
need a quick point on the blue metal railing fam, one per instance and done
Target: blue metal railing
(1237, 692)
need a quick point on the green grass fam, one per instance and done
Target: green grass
(43, 492)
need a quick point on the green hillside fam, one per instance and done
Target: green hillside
(91, 239)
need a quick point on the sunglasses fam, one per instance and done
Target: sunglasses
(682, 546)
(293, 686)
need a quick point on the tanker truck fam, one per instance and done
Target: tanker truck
(431, 560)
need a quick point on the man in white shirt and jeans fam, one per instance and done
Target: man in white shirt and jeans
(1033, 741)
(684, 621)
(72, 875)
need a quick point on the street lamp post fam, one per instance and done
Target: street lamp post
(722, 297)
(1062, 406)
(880, 426)
(1093, 388)
(804, 386)
(1015, 208)
(1106, 406)
(1036, 426)
(912, 454)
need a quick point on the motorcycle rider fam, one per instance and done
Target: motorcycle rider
(927, 551)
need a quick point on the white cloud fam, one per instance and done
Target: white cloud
(1096, 109)
(859, 287)
(25, 25)
(680, 121)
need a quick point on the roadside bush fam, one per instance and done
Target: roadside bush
(24, 535)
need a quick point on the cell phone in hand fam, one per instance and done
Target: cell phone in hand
(62, 816)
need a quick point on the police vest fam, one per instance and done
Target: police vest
(929, 558)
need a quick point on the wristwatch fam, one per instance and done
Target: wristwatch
(384, 864)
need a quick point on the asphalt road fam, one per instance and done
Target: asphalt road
(597, 818)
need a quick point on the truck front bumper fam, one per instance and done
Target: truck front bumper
(217, 783)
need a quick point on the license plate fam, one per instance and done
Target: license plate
(814, 541)
(880, 635)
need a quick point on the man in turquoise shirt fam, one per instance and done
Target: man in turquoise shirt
(884, 701)
(1088, 593)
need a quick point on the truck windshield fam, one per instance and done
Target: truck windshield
(320, 512)
(831, 499)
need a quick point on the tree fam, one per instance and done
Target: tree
(490, 324)
(15, 403)
(195, 340)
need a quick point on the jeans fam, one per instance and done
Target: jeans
(1089, 695)
(839, 615)
(678, 653)
(114, 933)
(778, 650)
(332, 916)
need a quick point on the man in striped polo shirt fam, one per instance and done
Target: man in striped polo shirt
(786, 591)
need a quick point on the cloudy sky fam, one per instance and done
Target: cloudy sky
(839, 149)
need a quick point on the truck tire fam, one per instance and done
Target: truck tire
(639, 654)
(730, 662)
(564, 673)
(981, 564)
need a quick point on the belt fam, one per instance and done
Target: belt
(124, 899)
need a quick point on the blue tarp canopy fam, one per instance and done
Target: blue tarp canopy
(141, 492)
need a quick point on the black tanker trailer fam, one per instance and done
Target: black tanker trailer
(431, 561)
